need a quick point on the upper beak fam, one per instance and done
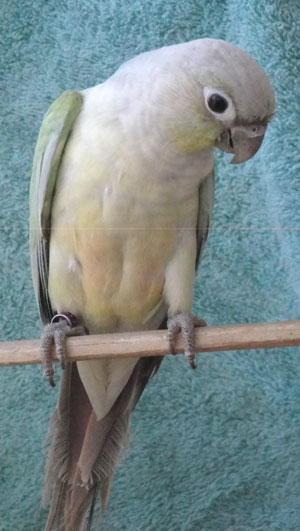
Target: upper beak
(243, 141)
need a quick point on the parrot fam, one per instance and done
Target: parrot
(121, 202)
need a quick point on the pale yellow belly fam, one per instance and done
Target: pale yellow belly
(112, 277)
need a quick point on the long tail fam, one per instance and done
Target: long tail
(84, 452)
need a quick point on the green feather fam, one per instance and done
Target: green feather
(52, 139)
(205, 210)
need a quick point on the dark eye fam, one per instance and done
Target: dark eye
(217, 103)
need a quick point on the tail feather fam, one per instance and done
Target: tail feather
(84, 452)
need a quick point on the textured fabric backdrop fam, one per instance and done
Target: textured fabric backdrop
(217, 448)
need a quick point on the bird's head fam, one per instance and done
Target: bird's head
(238, 97)
(202, 94)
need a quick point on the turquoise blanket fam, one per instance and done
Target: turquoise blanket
(215, 449)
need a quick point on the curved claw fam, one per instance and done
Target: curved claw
(51, 381)
(198, 322)
(186, 322)
(56, 332)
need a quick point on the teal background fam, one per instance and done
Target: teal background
(217, 448)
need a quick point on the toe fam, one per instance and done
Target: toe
(188, 332)
(190, 357)
(56, 332)
(171, 337)
(48, 373)
(186, 322)
(46, 354)
(173, 330)
(51, 381)
(198, 322)
(60, 344)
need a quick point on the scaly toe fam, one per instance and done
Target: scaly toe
(48, 373)
(186, 322)
(46, 354)
(56, 332)
(173, 330)
(59, 341)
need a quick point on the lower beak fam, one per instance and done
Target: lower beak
(243, 141)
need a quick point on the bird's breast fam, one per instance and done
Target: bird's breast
(108, 256)
(114, 229)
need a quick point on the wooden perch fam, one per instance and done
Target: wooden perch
(154, 343)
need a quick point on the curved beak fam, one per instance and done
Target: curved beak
(243, 141)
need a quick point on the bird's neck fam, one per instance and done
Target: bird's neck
(171, 152)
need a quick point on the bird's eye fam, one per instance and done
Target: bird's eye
(217, 103)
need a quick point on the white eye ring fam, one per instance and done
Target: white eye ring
(229, 111)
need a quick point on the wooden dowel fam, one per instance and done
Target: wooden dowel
(154, 343)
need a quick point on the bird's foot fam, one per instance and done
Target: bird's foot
(186, 322)
(62, 325)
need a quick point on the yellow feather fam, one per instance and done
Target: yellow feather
(203, 135)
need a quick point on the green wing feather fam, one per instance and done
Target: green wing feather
(205, 210)
(52, 139)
